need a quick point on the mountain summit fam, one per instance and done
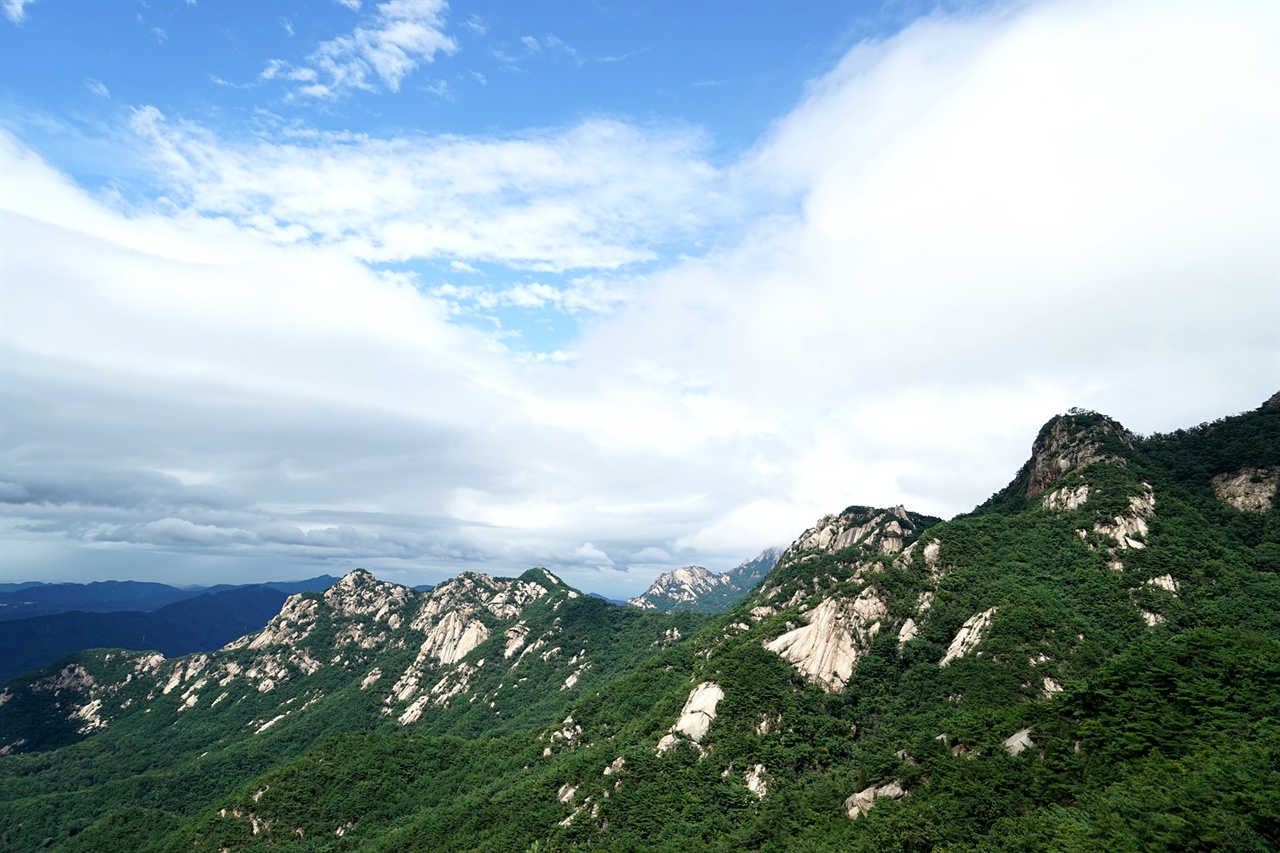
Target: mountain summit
(700, 590)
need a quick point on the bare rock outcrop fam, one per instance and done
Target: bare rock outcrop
(968, 637)
(862, 802)
(1129, 530)
(1019, 742)
(839, 631)
(1249, 489)
(1066, 499)
(755, 781)
(1069, 442)
(878, 531)
(695, 717)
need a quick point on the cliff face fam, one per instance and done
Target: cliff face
(1069, 442)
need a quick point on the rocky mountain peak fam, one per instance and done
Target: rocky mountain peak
(699, 589)
(683, 586)
(1072, 441)
(878, 531)
(360, 593)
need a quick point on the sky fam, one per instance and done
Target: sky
(288, 288)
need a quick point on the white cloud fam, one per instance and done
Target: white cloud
(581, 295)
(16, 10)
(97, 87)
(958, 232)
(400, 36)
(596, 195)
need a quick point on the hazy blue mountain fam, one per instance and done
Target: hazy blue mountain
(24, 600)
(204, 622)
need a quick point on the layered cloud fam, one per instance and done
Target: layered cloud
(597, 195)
(957, 232)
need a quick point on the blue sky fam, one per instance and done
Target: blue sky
(713, 74)
(607, 287)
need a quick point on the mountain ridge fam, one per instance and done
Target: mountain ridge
(1080, 665)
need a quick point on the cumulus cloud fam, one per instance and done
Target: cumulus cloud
(598, 195)
(957, 232)
(400, 36)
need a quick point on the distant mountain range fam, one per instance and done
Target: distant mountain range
(24, 600)
(703, 591)
(135, 616)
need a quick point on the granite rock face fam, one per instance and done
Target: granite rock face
(839, 631)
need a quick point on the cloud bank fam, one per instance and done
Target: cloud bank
(956, 233)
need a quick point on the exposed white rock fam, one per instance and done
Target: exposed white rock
(566, 793)
(799, 596)
(454, 682)
(185, 670)
(882, 534)
(755, 781)
(1128, 528)
(359, 593)
(303, 660)
(414, 712)
(293, 623)
(374, 675)
(616, 766)
(862, 802)
(90, 714)
(269, 723)
(1066, 499)
(148, 663)
(931, 552)
(453, 637)
(1165, 582)
(570, 734)
(839, 631)
(968, 637)
(1050, 687)
(699, 710)
(516, 636)
(573, 677)
(908, 632)
(1019, 741)
(1152, 619)
(1249, 489)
